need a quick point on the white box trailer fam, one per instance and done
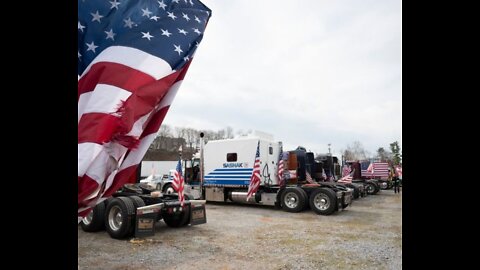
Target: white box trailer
(228, 166)
(229, 163)
(157, 167)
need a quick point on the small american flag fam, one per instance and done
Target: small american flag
(178, 183)
(309, 178)
(281, 177)
(324, 175)
(255, 179)
(346, 179)
(398, 171)
(346, 170)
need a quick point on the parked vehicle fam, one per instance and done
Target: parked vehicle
(228, 166)
(135, 208)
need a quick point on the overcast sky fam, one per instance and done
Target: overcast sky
(309, 72)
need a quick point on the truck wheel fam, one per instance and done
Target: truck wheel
(94, 221)
(137, 201)
(293, 199)
(323, 201)
(178, 220)
(370, 188)
(356, 191)
(120, 217)
(377, 188)
(168, 189)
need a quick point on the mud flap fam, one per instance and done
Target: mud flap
(145, 220)
(198, 214)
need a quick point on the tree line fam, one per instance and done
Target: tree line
(169, 139)
(356, 151)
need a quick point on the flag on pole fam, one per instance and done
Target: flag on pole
(281, 168)
(132, 57)
(346, 179)
(255, 179)
(178, 182)
(398, 171)
(346, 170)
(324, 175)
(309, 177)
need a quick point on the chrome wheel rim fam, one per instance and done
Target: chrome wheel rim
(115, 218)
(88, 219)
(291, 200)
(321, 201)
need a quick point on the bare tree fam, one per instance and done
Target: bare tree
(384, 155)
(229, 132)
(355, 152)
(165, 131)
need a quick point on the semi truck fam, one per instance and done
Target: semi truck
(135, 208)
(227, 166)
(372, 185)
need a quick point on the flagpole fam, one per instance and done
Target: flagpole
(202, 191)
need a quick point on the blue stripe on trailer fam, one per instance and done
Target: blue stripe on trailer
(219, 181)
(235, 169)
(228, 173)
(227, 176)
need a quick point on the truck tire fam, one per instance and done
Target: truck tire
(168, 189)
(323, 201)
(293, 199)
(95, 221)
(119, 220)
(356, 191)
(178, 220)
(370, 188)
(377, 188)
(137, 201)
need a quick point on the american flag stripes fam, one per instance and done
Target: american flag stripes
(376, 169)
(398, 171)
(370, 168)
(346, 170)
(132, 58)
(178, 183)
(255, 179)
(346, 179)
(309, 177)
(280, 171)
(324, 175)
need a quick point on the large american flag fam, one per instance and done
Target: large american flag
(178, 182)
(255, 179)
(376, 169)
(132, 58)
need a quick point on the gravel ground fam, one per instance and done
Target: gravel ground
(367, 235)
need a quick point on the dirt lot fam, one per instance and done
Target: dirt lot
(367, 235)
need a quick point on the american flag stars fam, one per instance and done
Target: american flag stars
(179, 22)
